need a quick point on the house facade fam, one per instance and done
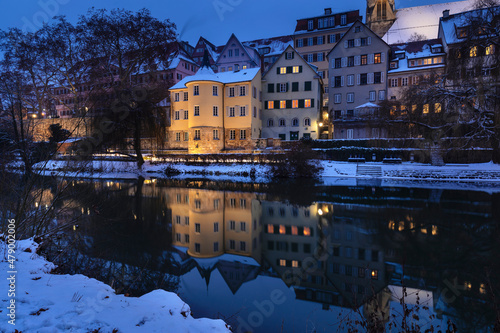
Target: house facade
(235, 56)
(215, 112)
(358, 69)
(292, 93)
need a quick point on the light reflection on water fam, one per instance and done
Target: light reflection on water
(335, 259)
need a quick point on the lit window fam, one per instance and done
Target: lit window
(307, 231)
(378, 58)
(270, 229)
(489, 49)
(282, 229)
(270, 105)
(374, 274)
(282, 104)
(282, 70)
(307, 103)
(295, 230)
(437, 107)
(473, 51)
(295, 263)
(295, 103)
(425, 108)
(283, 262)
(296, 69)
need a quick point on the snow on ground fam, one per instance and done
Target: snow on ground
(333, 171)
(47, 303)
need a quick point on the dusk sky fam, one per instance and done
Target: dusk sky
(212, 19)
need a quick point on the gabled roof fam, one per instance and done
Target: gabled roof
(423, 20)
(347, 33)
(298, 56)
(276, 44)
(450, 24)
(246, 50)
(416, 50)
(207, 74)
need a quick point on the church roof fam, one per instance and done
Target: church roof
(422, 20)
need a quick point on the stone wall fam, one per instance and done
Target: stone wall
(79, 127)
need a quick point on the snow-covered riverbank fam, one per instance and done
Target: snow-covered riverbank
(47, 303)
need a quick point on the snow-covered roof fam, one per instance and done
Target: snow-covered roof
(207, 74)
(416, 50)
(422, 20)
(450, 24)
(276, 45)
(367, 105)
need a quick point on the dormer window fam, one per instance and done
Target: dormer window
(343, 19)
(462, 32)
(310, 25)
(400, 55)
(394, 65)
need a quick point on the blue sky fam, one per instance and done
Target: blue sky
(213, 19)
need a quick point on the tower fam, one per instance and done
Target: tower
(380, 15)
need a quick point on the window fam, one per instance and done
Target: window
(289, 55)
(243, 226)
(338, 62)
(282, 87)
(300, 42)
(237, 52)
(216, 134)
(282, 70)
(489, 49)
(295, 122)
(357, 29)
(377, 58)
(231, 111)
(215, 91)
(186, 136)
(437, 107)
(350, 43)
(394, 83)
(186, 96)
(296, 69)
(282, 104)
(310, 25)
(425, 109)
(243, 246)
(364, 59)
(186, 114)
(363, 79)
(255, 112)
(364, 41)
(196, 91)
(310, 57)
(350, 133)
(216, 203)
(350, 97)
(196, 110)
(331, 39)
(216, 246)
(320, 40)
(270, 123)
(231, 91)
(232, 134)
(232, 245)
(215, 111)
(473, 51)
(197, 227)
(197, 134)
(232, 225)
(282, 122)
(310, 41)
(243, 203)
(377, 77)
(230, 53)
(243, 90)
(381, 95)
(270, 105)
(337, 98)
(350, 80)
(176, 97)
(307, 103)
(243, 111)
(243, 134)
(177, 136)
(350, 61)
(308, 86)
(337, 81)
(295, 104)
(373, 96)
(320, 56)
(176, 115)
(343, 19)
(197, 247)
(404, 81)
(307, 122)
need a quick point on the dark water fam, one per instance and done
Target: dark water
(291, 258)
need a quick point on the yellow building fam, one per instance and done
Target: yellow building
(214, 112)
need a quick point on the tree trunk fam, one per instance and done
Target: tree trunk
(137, 139)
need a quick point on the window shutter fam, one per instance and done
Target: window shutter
(312, 102)
(370, 78)
(345, 44)
(371, 58)
(358, 79)
(342, 81)
(357, 60)
(301, 103)
(227, 111)
(344, 62)
(300, 69)
(277, 70)
(382, 77)
(293, 55)
(287, 87)
(278, 87)
(288, 103)
(382, 57)
(265, 105)
(332, 63)
(270, 88)
(369, 41)
(289, 69)
(276, 104)
(357, 42)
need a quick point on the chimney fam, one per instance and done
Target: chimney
(446, 13)
(328, 11)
